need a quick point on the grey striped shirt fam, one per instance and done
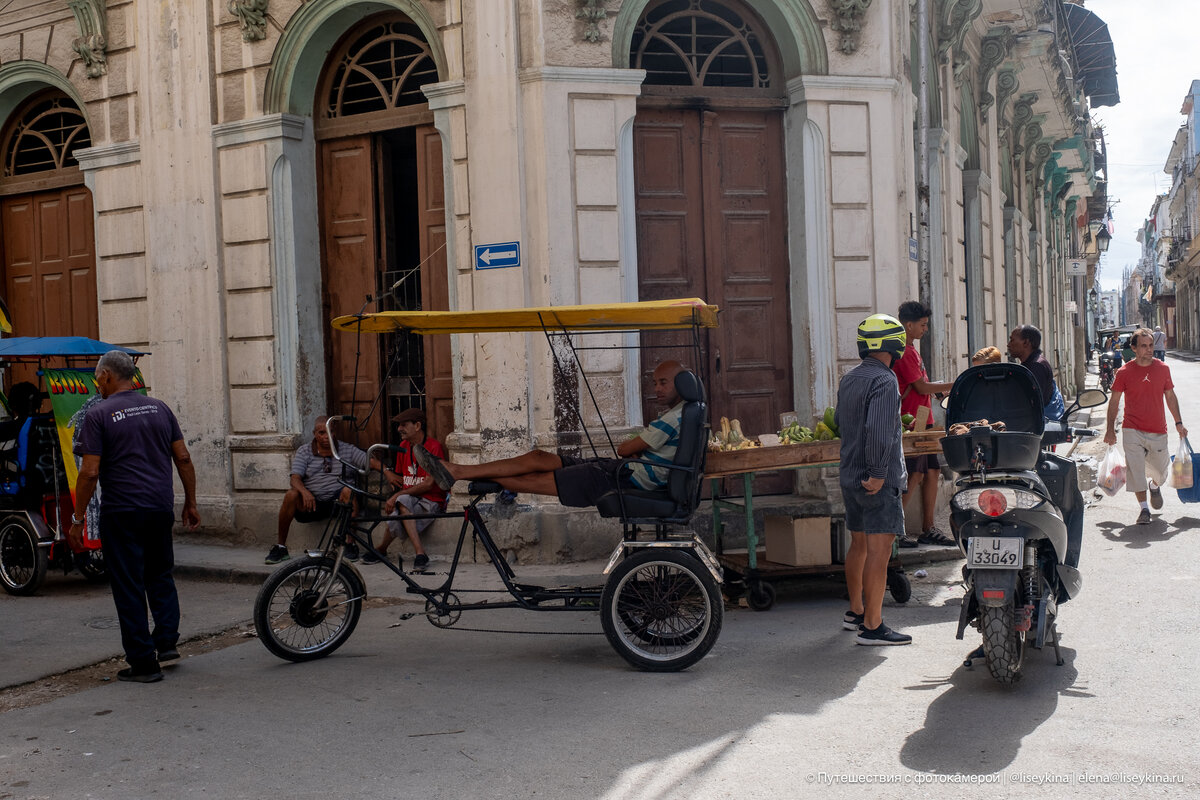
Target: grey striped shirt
(868, 418)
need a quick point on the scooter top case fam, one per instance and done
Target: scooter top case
(1005, 393)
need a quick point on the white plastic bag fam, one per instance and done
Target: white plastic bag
(1111, 478)
(1181, 467)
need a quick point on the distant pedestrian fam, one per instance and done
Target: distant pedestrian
(872, 475)
(1145, 383)
(1160, 343)
(128, 443)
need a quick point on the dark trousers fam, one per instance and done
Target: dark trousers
(139, 557)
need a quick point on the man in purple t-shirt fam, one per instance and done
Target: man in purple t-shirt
(129, 441)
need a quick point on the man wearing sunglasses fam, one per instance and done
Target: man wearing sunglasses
(315, 485)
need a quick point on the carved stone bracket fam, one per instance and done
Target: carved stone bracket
(1006, 86)
(994, 48)
(92, 17)
(847, 21)
(954, 21)
(1022, 113)
(252, 14)
(593, 13)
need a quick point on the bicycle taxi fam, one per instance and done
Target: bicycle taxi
(660, 603)
(38, 469)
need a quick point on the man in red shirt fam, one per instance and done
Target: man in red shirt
(417, 493)
(1145, 383)
(915, 393)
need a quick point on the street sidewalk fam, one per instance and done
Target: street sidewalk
(198, 558)
(1183, 355)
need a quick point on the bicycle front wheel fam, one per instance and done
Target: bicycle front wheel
(291, 619)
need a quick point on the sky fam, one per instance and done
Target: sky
(1157, 60)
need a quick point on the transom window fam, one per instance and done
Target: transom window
(700, 43)
(45, 137)
(382, 69)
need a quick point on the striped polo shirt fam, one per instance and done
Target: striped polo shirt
(663, 437)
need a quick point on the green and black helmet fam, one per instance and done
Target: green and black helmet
(881, 333)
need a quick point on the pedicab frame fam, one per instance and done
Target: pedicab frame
(661, 604)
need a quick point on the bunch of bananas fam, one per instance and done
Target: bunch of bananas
(795, 433)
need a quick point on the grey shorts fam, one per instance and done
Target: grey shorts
(582, 482)
(882, 512)
(415, 505)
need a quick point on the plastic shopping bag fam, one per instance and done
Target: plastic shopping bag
(1111, 477)
(1183, 473)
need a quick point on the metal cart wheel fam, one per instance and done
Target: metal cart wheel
(899, 586)
(23, 563)
(761, 596)
(289, 621)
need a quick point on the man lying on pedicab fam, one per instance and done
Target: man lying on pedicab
(575, 481)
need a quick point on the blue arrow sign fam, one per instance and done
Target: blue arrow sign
(494, 256)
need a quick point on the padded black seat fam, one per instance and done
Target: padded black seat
(675, 503)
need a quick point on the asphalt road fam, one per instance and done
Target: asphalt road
(784, 706)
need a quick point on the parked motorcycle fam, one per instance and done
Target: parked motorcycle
(1017, 513)
(1110, 362)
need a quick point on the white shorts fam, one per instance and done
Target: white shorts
(415, 505)
(1145, 456)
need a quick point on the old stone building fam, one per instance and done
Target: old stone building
(213, 180)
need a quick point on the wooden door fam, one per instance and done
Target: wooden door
(350, 265)
(50, 266)
(435, 282)
(711, 211)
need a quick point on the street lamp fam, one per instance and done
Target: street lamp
(1103, 237)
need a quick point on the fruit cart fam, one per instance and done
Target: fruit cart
(751, 573)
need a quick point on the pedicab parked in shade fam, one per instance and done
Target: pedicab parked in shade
(660, 602)
(38, 468)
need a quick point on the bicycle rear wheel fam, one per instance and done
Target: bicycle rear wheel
(289, 620)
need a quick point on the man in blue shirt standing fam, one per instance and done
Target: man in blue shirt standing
(872, 475)
(129, 442)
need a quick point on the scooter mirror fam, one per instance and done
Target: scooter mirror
(1090, 398)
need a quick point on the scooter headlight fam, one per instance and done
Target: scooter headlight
(993, 501)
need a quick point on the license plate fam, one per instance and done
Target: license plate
(995, 552)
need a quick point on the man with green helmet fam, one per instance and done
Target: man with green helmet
(872, 475)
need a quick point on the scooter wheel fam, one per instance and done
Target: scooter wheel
(899, 586)
(23, 563)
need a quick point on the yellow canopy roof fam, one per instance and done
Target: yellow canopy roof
(649, 315)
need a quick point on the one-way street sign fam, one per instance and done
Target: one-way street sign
(494, 256)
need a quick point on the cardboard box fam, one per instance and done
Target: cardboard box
(803, 542)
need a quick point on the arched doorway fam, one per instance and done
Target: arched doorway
(383, 229)
(711, 193)
(46, 226)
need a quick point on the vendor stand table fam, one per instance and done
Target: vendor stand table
(747, 463)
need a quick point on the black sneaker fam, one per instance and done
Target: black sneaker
(882, 636)
(1144, 517)
(852, 621)
(144, 675)
(1155, 496)
(906, 541)
(936, 537)
(421, 561)
(351, 553)
(170, 654)
(370, 558)
(433, 467)
(278, 554)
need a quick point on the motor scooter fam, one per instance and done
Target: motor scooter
(1110, 362)
(1017, 513)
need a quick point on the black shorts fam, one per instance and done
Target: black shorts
(581, 482)
(919, 465)
(322, 511)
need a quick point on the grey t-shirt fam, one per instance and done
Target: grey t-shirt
(321, 475)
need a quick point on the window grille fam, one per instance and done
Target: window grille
(699, 43)
(384, 68)
(46, 137)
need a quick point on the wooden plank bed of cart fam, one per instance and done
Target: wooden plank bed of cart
(756, 572)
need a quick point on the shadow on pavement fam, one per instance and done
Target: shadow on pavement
(977, 725)
(1139, 537)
